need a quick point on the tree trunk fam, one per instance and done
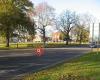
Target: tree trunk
(7, 37)
(80, 41)
(67, 38)
(67, 42)
(44, 38)
(80, 38)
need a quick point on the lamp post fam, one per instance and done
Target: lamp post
(98, 39)
(92, 35)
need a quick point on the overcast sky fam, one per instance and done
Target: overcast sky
(80, 6)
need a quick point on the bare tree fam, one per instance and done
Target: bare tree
(45, 16)
(66, 22)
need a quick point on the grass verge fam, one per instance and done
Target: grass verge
(32, 45)
(86, 67)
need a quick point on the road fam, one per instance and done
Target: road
(15, 63)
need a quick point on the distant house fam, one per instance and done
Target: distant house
(37, 38)
(57, 37)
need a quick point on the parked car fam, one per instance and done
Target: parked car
(93, 44)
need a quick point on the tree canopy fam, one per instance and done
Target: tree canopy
(13, 14)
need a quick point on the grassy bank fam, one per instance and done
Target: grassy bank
(86, 67)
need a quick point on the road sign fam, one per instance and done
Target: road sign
(39, 51)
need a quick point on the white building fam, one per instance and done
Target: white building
(94, 33)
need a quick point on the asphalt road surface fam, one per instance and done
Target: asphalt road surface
(15, 63)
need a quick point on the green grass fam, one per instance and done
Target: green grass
(32, 45)
(86, 67)
(20, 45)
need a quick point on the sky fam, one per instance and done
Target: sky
(91, 7)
